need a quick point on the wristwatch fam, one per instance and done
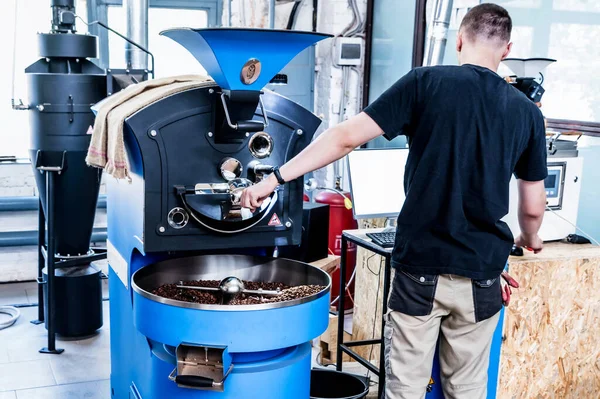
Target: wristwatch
(277, 174)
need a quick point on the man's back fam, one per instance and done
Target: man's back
(469, 131)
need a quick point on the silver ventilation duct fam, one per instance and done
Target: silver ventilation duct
(438, 33)
(137, 30)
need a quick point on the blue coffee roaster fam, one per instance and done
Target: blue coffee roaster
(178, 219)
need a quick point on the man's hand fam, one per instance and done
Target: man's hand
(531, 242)
(506, 283)
(253, 196)
(333, 144)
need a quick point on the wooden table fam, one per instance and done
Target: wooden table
(552, 326)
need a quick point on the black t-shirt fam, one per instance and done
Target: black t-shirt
(468, 131)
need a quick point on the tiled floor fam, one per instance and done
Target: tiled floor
(82, 371)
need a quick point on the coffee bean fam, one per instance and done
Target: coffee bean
(288, 293)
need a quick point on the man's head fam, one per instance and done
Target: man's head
(484, 35)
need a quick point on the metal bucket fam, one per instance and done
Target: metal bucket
(329, 384)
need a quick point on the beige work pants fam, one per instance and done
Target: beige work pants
(410, 341)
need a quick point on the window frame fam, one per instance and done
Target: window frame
(98, 11)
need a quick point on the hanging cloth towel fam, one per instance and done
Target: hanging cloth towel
(107, 147)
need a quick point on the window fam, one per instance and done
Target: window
(170, 58)
(568, 31)
(32, 16)
(162, 14)
(391, 57)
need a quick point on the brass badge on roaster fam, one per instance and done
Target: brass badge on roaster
(250, 71)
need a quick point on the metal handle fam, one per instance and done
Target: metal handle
(195, 381)
(198, 381)
(40, 280)
(124, 38)
(246, 126)
(206, 221)
(50, 168)
(262, 292)
(191, 287)
(213, 289)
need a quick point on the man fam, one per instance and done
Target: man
(468, 131)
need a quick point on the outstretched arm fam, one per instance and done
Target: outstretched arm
(333, 144)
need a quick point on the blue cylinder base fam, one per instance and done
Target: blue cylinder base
(284, 376)
(270, 349)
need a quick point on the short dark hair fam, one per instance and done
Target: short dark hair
(487, 21)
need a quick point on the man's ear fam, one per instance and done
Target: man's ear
(459, 41)
(507, 50)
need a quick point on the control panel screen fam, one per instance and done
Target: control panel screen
(350, 51)
(552, 183)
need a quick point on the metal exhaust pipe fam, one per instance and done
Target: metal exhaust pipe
(137, 30)
(438, 35)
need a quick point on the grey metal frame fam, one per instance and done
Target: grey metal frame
(345, 346)
(98, 11)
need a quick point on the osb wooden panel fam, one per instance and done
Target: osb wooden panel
(552, 327)
(366, 296)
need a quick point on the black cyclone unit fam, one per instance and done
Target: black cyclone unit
(62, 86)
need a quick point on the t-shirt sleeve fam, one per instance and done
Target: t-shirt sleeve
(393, 110)
(532, 165)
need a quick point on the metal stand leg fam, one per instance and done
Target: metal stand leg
(41, 243)
(340, 332)
(386, 291)
(50, 262)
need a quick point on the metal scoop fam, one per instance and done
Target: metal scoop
(230, 288)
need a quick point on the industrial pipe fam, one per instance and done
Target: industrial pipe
(18, 204)
(272, 14)
(137, 31)
(438, 35)
(30, 237)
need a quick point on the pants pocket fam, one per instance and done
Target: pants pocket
(487, 298)
(413, 294)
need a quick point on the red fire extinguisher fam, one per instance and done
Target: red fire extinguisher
(340, 219)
